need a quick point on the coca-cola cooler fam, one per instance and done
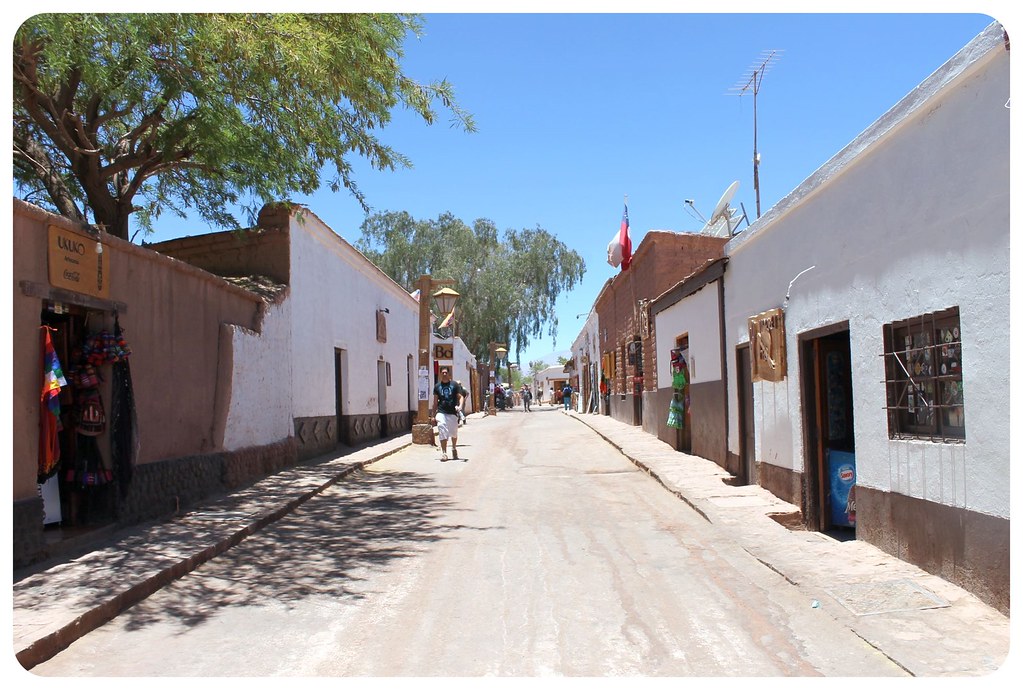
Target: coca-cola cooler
(842, 480)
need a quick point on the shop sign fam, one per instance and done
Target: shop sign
(767, 345)
(444, 351)
(77, 262)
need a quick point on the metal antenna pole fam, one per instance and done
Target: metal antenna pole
(752, 83)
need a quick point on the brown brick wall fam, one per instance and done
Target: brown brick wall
(662, 260)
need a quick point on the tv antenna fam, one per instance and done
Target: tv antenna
(751, 81)
(723, 219)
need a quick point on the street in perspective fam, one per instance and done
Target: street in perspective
(544, 550)
(287, 393)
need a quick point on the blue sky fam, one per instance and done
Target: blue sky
(576, 111)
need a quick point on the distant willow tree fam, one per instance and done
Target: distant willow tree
(132, 115)
(508, 281)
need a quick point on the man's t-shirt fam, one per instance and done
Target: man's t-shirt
(447, 397)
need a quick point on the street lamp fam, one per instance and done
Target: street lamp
(496, 351)
(446, 298)
(422, 430)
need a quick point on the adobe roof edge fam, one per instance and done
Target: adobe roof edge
(711, 270)
(984, 45)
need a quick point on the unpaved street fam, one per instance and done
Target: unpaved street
(543, 551)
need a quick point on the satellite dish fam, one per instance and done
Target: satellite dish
(722, 206)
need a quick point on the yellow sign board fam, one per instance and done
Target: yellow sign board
(444, 351)
(767, 345)
(77, 262)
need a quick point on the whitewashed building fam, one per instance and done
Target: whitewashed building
(867, 331)
(333, 362)
(688, 335)
(586, 365)
(552, 377)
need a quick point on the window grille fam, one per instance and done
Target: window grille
(924, 377)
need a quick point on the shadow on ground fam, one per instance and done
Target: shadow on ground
(327, 548)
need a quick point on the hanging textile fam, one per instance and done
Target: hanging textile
(89, 468)
(49, 409)
(679, 370)
(676, 414)
(124, 436)
(680, 382)
(104, 348)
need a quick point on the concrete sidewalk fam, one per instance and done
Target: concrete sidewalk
(926, 625)
(923, 623)
(59, 601)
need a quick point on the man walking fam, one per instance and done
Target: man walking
(566, 396)
(447, 399)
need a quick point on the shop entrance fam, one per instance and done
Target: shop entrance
(747, 437)
(828, 420)
(77, 479)
(681, 377)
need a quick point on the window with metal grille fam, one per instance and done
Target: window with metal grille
(924, 377)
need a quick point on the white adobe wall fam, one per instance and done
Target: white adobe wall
(586, 343)
(336, 293)
(912, 217)
(259, 412)
(463, 363)
(698, 316)
(543, 379)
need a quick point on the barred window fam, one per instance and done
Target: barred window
(924, 377)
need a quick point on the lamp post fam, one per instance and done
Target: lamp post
(496, 350)
(422, 430)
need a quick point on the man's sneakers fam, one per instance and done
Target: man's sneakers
(444, 456)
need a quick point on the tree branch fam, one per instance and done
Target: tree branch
(30, 152)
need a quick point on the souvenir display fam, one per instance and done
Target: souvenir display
(49, 410)
(676, 414)
(680, 382)
(124, 436)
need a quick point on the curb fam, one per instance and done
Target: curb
(54, 642)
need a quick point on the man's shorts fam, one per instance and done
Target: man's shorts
(447, 426)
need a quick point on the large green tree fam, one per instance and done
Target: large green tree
(508, 281)
(128, 116)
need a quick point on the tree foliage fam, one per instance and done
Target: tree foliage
(536, 366)
(137, 114)
(508, 281)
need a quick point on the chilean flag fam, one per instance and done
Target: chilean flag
(619, 250)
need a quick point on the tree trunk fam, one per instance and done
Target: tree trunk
(111, 213)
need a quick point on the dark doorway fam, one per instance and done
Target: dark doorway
(340, 357)
(747, 447)
(636, 360)
(828, 420)
(382, 383)
(684, 435)
(79, 489)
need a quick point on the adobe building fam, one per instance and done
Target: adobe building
(867, 332)
(627, 351)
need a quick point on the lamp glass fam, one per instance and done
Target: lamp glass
(446, 298)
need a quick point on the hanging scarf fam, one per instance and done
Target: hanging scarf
(124, 436)
(49, 409)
